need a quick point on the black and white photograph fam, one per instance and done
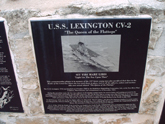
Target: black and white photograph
(91, 53)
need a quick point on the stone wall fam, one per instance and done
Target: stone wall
(17, 13)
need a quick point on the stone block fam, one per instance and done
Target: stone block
(154, 36)
(86, 8)
(28, 120)
(46, 120)
(63, 120)
(18, 19)
(149, 105)
(23, 48)
(117, 10)
(156, 66)
(26, 93)
(34, 103)
(147, 85)
(161, 0)
(29, 83)
(119, 120)
(156, 13)
(148, 122)
(26, 69)
(2, 122)
(73, 121)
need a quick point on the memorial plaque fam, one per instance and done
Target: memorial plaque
(91, 65)
(9, 95)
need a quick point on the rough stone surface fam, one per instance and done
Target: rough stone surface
(156, 66)
(18, 18)
(75, 121)
(17, 21)
(155, 35)
(28, 120)
(86, 8)
(23, 53)
(23, 48)
(29, 83)
(60, 120)
(47, 120)
(149, 105)
(156, 13)
(26, 95)
(148, 122)
(161, 0)
(2, 122)
(147, 85)
(160, 44)
(122, 120)
(117, 10)
(119, 121)
(34, 103)
(26, 69)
